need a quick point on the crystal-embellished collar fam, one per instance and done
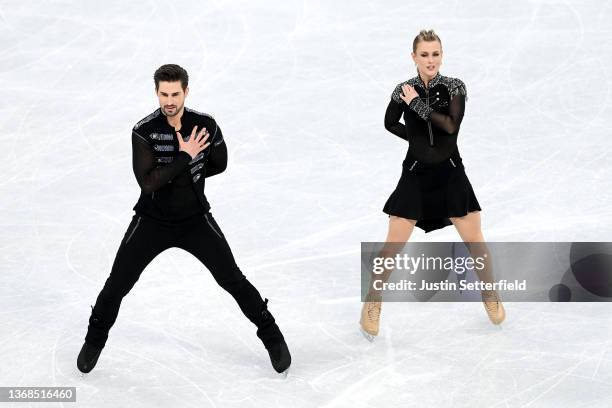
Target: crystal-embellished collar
(432, 82)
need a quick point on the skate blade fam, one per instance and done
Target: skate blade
(284, 374)
(81, 374)
(368, 336)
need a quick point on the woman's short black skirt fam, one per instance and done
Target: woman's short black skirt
(431, 193)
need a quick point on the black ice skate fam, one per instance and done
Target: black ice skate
(88, 357)
(274, 341)
(280, 357)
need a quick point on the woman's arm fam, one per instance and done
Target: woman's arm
(392, 116)
(449, 123)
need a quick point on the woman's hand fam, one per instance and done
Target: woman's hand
(408, 94)
(196, 143)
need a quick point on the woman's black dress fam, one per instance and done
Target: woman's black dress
(433, 185)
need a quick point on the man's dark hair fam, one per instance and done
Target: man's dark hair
(171, 73)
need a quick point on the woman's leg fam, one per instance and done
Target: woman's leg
(400, 229)
(399, 232)
(469, 228)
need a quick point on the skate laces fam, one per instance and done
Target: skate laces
(265, 313)
(491, 306)
(94, 317)
(373, 310)
(491, 303)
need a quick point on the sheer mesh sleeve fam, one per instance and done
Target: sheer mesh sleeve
(217, 160)
(450, 123)
(149, 176)
(392, 118)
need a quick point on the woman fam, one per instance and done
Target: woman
(433, 191)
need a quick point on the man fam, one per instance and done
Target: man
(172, 211)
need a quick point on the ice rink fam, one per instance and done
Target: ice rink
(299, 90)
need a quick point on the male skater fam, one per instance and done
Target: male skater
(172, 211)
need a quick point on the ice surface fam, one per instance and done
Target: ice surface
(299, 89)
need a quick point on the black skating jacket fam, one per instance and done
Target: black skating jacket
(171, 182)
(431, 120)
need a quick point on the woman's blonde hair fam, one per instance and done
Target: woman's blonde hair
(425, 35)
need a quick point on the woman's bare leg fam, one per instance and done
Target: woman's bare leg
(469, 228)
(399, 232)
(400, 229)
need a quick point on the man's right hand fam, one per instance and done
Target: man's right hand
(196, 143)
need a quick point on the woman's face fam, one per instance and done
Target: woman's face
(428, 57)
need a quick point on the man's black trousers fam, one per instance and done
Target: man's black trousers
(201, 236)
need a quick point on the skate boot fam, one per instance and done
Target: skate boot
(273, 340)
(494, 307)
(280, 357)
(88, 357)
(370, 319)
(94, 343)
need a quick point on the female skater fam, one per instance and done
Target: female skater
(433, 190)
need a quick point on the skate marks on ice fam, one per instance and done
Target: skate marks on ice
(322, 57)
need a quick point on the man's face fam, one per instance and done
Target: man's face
(171, 97)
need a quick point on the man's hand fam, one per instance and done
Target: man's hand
(196, 143)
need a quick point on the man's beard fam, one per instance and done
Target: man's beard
(176, 110)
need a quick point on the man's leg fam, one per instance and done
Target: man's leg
(142, 242)
(207, 243)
